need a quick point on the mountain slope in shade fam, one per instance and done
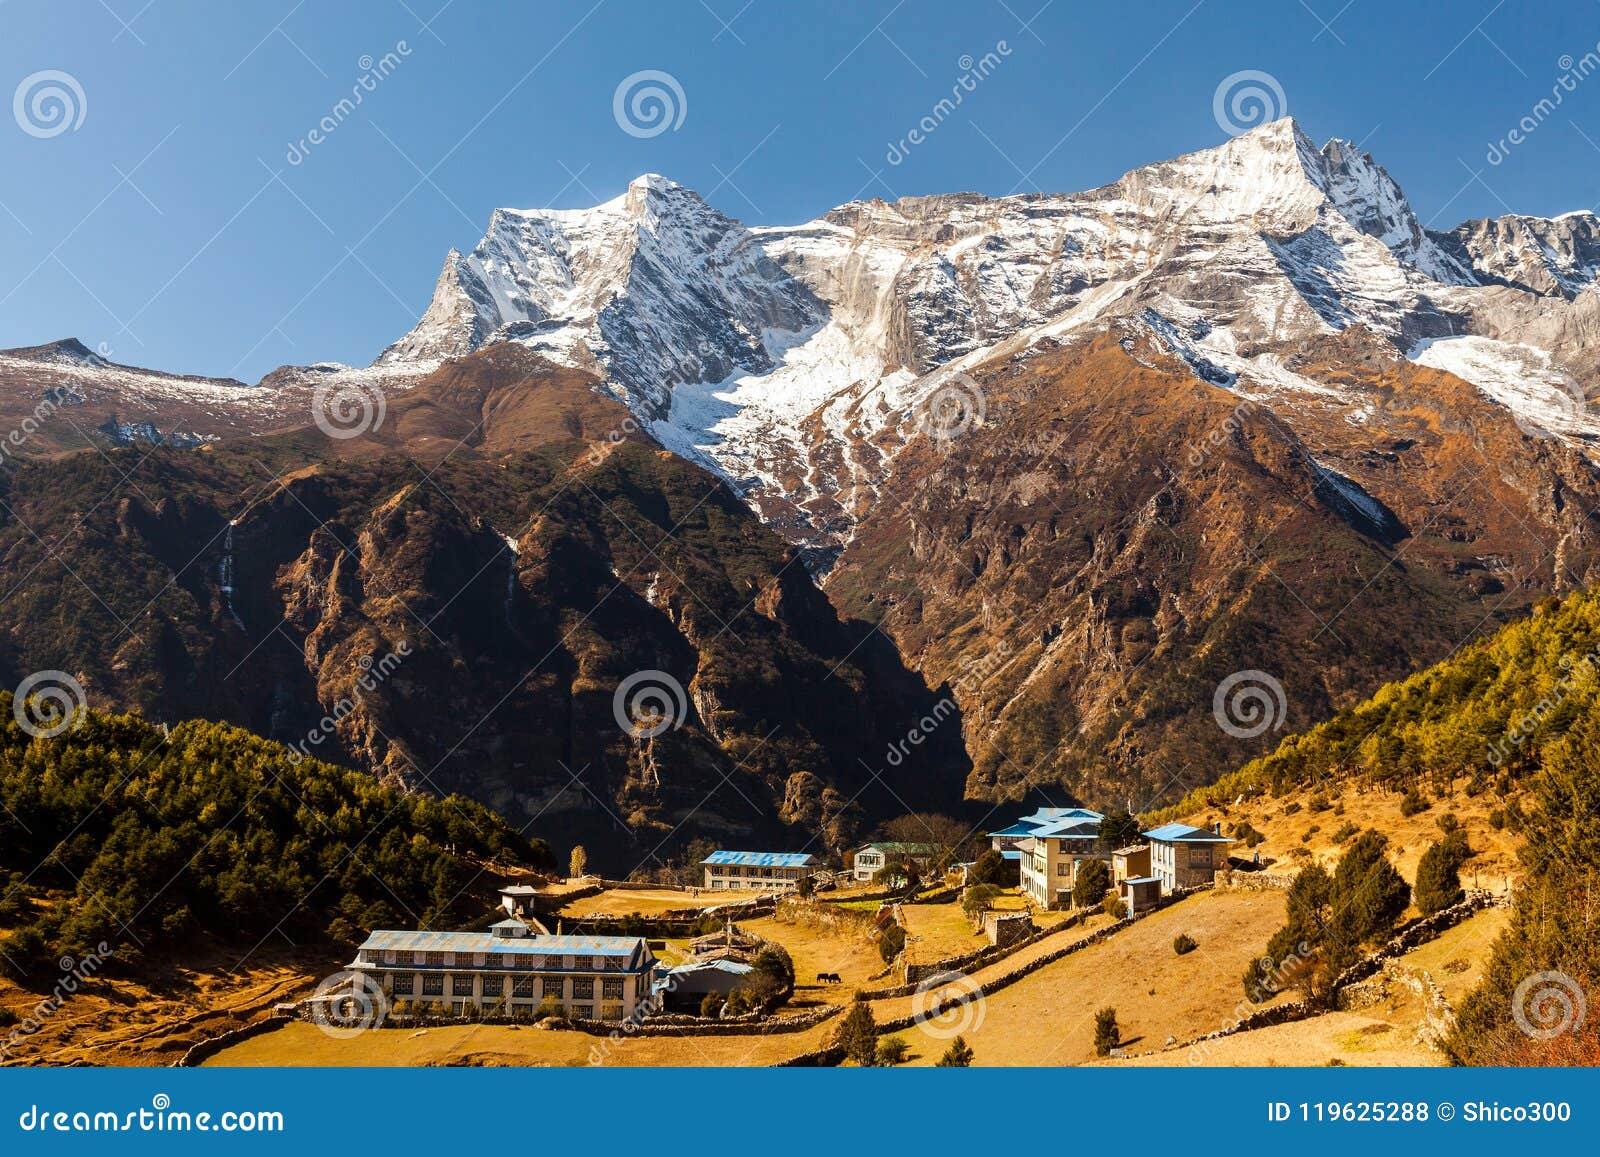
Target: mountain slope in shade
(522, 578)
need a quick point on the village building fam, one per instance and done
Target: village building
(685, 987)
(870, 859)
(1050, 858)
(1130, 862)
(1184, 857)
(1008, 841)
(518, 899)
(1139, 894)
(761, 871)
(508, 968)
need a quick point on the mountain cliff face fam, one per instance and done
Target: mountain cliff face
(467, 626)
(1077, 457)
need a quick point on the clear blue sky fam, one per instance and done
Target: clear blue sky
(170, 225)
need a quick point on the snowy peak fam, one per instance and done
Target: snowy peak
(1553, 257)
(1369, 198)
(654, 286)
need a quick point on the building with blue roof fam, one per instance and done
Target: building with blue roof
(1185, 857)
(759, 871)
(507, 969)
(1048, 846)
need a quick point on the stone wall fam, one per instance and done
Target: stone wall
(1231, 880)
(204, 1050)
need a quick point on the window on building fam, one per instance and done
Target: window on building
(553, 986)
(610, 1012)
(583, 988)
(436, 959)
(611, 989)
(432, 984)
(1063, 869)
(461, 986)
(523, 988)
(583, 1011)
(405, 983)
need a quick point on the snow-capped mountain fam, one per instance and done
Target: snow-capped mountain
(794, 359)
(657, 285)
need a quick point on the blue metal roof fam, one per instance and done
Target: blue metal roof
(1141, 880)
(1017, 829)
(733, 967)
(1184, 834)
(1069, 830)
(762, 859)
(1055, 815)
(1011, 854)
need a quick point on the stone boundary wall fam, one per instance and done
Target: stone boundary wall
(1232, 880)
(1356, 977)
(984, 957)
(210, 1047)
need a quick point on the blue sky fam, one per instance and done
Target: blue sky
(170, 225)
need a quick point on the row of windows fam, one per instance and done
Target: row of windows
(577, 1011)
(434, 984)
(734, 870)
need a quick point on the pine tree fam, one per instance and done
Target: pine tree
(1439, 874)
(957, 1056)
(857, 1035)
(1107, 1035)
(578, 862)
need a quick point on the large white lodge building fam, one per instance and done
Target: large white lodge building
(508, 968)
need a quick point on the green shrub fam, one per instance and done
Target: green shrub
(957, 1056)
(1184, 944)
(893, 1050)
(1346, 830)
(1094, 878)
(1414, 802)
